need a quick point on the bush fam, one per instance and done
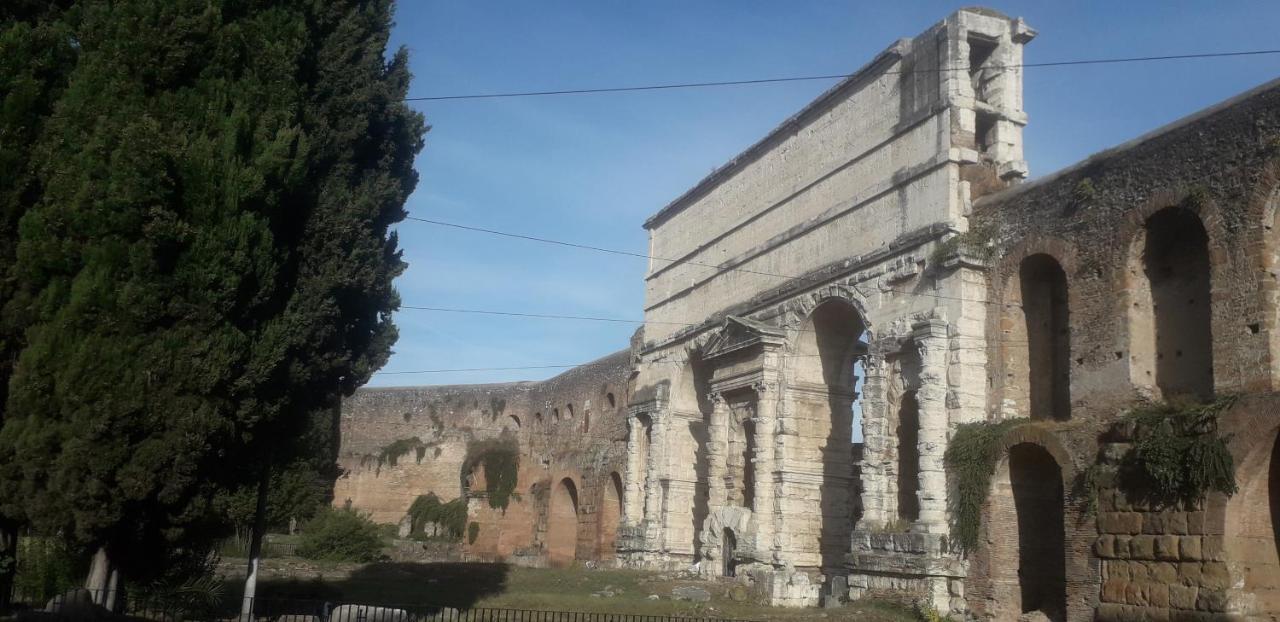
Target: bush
(341, 535)
(46, 567)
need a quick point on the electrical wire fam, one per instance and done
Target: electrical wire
(837, 76)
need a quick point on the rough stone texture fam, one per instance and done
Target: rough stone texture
(571, 434)
(1100, 221)
(878, 247)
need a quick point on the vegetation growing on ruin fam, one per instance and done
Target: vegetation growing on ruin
(1084, 192)
(978, 243)
(500, 458)
(399, 448)
(1177, 454)
(971, 459)
(473, 532)
(452, 516)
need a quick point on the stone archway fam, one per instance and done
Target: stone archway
(823, 391)
(1026, 534)
(609, 516)
(1253, 531)
(562, 524)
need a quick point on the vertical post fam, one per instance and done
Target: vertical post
(875, 439)
(931, 341)
(717, 445)
(99, 576)
(255, 545)
(653, 515)
(633, 504)
(763, 465)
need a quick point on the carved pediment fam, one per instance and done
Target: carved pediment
(739, 333)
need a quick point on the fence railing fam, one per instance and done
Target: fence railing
(86, 604)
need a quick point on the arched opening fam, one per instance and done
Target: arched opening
(568, 411)
(562, 530)
(729, 546)
(613, 402)
(908, 434)
(1043, 288)
(1253, 530)
(513, 422)
(609, 516)
(555, 414)
(824, 385)
(586, 421)
(537, 419)
(1026, 530)
(1171, 336)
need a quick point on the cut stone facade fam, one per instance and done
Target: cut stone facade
(878, 260)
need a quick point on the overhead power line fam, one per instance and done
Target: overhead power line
(837, 76)
(520, 236)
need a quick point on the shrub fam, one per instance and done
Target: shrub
(45, 568)
(341, 535)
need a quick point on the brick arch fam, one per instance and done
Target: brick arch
(563, 507)
(1132, 234)
(993, 579)
(1006, 280)
(1249, 521)
(1264, 210)
(609, 515)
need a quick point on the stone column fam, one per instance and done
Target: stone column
(717, 445)
(634, 502)
(874, 441)
(763, 464)
(930, 337)
(655, 471)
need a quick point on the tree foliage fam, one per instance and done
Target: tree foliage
(203, 262)
(341, 535)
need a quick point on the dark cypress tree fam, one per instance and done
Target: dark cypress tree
(36, 54)
(209, 265)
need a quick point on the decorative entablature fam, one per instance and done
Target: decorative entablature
(738, 334)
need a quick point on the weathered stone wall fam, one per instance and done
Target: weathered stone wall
(570, 426)
(1209, 181)
(810, 251)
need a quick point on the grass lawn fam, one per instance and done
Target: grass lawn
(470, 585)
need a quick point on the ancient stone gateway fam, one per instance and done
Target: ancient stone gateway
(851, 293)
(806, 262)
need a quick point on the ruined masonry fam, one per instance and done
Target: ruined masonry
(884, 275)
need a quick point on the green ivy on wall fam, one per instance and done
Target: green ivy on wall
(500, 458)
(971, 459)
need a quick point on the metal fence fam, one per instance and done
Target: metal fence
(84, 605)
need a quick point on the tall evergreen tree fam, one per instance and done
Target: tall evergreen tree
(36, 54)
(210, 263)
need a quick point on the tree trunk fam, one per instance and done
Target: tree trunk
(255, 546)
(99, 576)
(113, 585)
(8, 563)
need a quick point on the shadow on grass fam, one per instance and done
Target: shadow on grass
(446, 584)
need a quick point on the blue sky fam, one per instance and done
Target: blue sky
(591, 168)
